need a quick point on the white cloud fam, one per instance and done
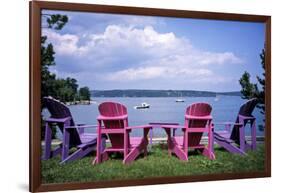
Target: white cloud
(140, 54)
(66, 44)
(144, 73)
(219, 58)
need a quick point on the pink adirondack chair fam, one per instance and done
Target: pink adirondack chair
(113, 121)
(198, 120)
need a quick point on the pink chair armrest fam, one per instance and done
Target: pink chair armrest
(173, 126)
(209, 117)
(122, 117)
(138, 127)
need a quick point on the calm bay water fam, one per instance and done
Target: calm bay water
(164, 110)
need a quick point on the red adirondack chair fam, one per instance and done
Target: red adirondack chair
(113, 121)
(198, 120)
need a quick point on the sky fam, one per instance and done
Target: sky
(112, 51)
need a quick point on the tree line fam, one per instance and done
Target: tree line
(65, 90)
(255, 90)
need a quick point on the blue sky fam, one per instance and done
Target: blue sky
(110, 51)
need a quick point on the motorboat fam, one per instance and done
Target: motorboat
(179, 100)
(143, 106)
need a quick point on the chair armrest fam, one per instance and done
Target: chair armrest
(159, 124)
(191, 129)
(80, 126)
(122, 117)
(138, 127)
(173, 126)
(227, 123)
(191, 117)
(247, 117)
(57, 120)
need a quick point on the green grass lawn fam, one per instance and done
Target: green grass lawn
(158, 163)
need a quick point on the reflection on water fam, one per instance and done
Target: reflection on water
(225, 108)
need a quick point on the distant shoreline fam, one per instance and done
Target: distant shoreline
(82, 102)
(159, 93)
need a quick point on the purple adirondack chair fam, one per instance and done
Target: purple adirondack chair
(198, 120)
(73, 135)
(234, 140)
(113, 121)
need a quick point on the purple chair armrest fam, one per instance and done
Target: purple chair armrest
(246, 117)
(80, 127)
(227, 123)
(57, 120)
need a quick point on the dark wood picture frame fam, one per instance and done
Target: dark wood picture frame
(35, 89)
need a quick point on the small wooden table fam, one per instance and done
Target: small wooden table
(182, 152)
(167, 130)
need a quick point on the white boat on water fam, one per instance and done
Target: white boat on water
(179, 100)
(143, 106)
(216, 98)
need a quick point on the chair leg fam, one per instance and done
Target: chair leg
(48, 142)
(178, 151)
(100, 148)
(254, 135)
(242, 135)
(208, 153)
(133, 154)
(57, 151)
(229, 147)
(78, 154)
(65, 145)
(97, 159)
(103, 157)
(145, 152)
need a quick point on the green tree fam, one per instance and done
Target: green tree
(47, 59)
(72, 84)
(48, 80)
(261, 81)
(56, 22)
(65, 90)
(250, 90)
(84, 93)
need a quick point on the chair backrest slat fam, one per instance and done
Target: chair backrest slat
(113, 109)
(59, 110)
(246, 110)
(200, 110)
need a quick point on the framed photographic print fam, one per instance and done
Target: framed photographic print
(123, 96)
